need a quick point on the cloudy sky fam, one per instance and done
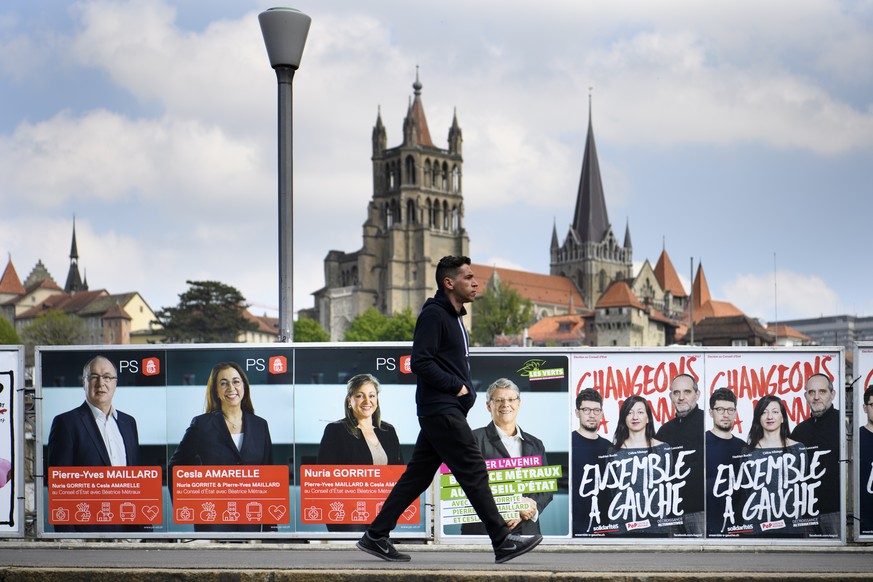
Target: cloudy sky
(737, 133)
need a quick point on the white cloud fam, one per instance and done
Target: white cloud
(794, 295)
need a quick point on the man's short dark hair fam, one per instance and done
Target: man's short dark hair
(722, 394)
(449, 266)
(589, 395)
(868, 393)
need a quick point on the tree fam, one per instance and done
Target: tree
(373, 326)
(53, 328)
(208, 312)
(308, 330)
(500, 311)
(8, 336)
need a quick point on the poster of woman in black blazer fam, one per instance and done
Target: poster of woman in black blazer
(361, 437)
(228, 433)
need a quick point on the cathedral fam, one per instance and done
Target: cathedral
(591, 295)
(415, 218)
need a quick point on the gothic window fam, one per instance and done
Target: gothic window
(428, 220)
(389, 216)
(601, 281)
(446, 215)
(410, 171)
(456, 179)
(389, 179)
(427, 174)
(410, 212)
(456, 219)
(435, 175)
(445, 184)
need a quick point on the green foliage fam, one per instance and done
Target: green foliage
(53, 328)
(208, 312)
(373, 326)
(500, 311)
(8, 336)
(308, 330)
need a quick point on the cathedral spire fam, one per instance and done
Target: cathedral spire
(590, 220)
(74, 279)
(415, 130)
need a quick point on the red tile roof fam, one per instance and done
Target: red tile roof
(9, 282)
(558, 330)
(619, 294)
(540, 289)
(787, 331)
(666, 275)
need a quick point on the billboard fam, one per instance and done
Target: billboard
(698, 445)
(12, 461)
(169, 460)
(863, 439)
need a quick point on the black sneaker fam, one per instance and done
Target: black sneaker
(382, 548)
(513, 546)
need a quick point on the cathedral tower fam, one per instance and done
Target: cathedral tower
(591, 255)
(414, 218)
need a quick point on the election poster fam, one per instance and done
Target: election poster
(306, 441)
(520, 424)
(637, 465)
(356, 426)
(863, 433)
(773, 453)
(11, 441)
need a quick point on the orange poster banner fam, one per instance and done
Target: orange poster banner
(104, 495)
(349, 493)
(233, 494)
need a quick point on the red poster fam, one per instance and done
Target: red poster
(104, 495)
(349, 493)
(234, 494)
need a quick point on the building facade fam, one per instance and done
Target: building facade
(415, 217)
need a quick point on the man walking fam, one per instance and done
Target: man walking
(443, 396)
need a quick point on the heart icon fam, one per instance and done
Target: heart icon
(277, 511)
(409, 512)
(150, 511)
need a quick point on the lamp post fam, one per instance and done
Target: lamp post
(285, 31)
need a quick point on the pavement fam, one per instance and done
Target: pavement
(202, 561)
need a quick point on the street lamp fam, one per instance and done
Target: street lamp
(285, 31)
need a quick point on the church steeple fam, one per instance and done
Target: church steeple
(591, 254)
(74, 279)
(415, 130)
(455, 138)
(590, 220)
(380, 136)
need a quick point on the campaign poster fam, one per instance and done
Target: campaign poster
(355, 427)
(89, 489)
(637, 466)
(522, 432)
(781, 478)
(863, 432)
(11, 443)
(229, 476)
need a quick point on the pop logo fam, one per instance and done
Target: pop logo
(406, 364)
(151, 366)
(278, 365)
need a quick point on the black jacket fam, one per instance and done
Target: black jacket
(441, 359)
(686, 434)
(822, 433)
(339, 447)
(492, 447)
(208, 442)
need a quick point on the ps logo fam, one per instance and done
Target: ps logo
(151, 366)
(278, 364)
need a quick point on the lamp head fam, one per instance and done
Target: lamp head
(284, 31)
